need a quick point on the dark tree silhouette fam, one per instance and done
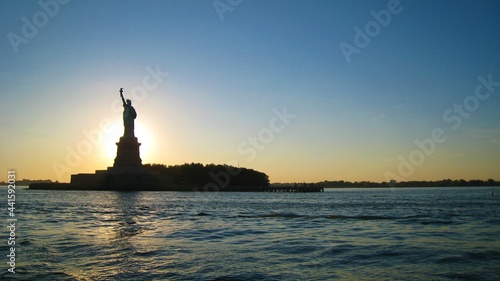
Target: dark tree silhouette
(199, 174)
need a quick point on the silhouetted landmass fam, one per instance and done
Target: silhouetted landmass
(27, 182)
(199, 174)
(441, 183)
(222, 175)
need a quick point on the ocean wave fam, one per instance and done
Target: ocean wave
(333, 217)
(247, 276)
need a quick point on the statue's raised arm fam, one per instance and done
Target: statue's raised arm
(121, 95)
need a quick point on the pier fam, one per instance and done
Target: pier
(303, 187)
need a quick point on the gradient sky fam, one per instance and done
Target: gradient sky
(229, 71)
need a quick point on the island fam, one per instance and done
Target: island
(129, 174)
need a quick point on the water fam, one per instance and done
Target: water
(343, 234)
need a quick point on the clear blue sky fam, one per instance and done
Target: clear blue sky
(229, 67)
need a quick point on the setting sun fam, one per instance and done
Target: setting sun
(146, 139)
(110, 138)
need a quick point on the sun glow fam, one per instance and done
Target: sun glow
(146, 138)
(110, 138)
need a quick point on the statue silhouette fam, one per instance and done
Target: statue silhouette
(129, 115)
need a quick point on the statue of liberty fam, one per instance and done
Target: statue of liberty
(129, 115)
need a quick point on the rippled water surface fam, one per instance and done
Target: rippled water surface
(344, 234)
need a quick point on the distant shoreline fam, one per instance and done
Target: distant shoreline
(347, 184)
(26, 186)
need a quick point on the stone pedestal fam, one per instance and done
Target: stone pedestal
(127, 154)
(127, 173)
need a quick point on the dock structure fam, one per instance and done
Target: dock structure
(303, 187)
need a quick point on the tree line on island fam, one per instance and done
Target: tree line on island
(199, 174)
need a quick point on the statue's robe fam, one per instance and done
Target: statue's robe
(129, 115)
